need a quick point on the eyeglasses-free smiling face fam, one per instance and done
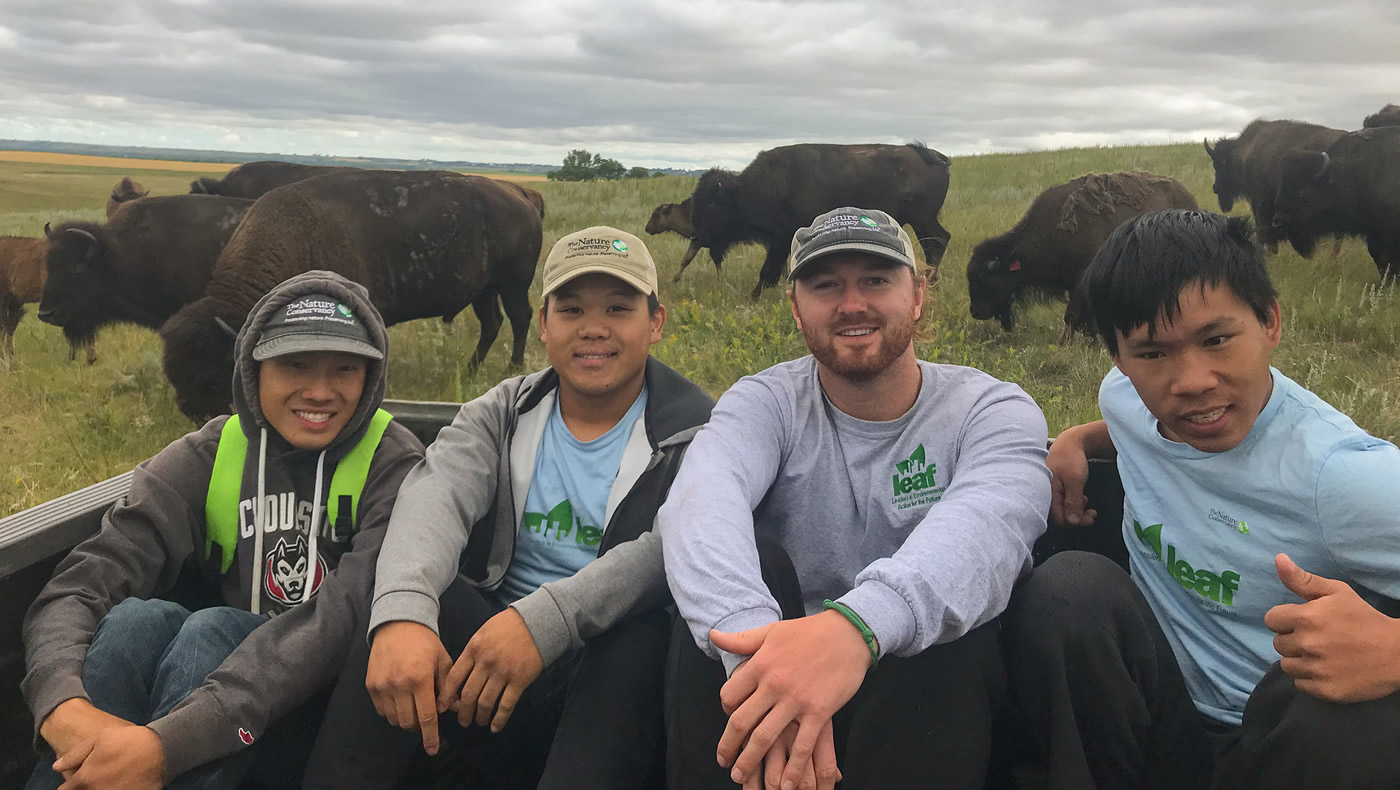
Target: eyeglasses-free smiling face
(1205, 375)
(309, 397)
(857, 312)
(597, 332)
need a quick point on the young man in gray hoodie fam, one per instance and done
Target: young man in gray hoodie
(853, 508)
(275, 516)
(521, 586)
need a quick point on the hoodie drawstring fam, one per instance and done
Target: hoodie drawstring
(259, 524)
(313, 560)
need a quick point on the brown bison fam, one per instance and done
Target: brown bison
(425, 243)
(1056, 239)
(675, 217)
(21, 281)
(1388, 116)
(125, 191)
(1248, 166)
(535, 199)
(1350, 189)
(153, 257)
(784, 188)
(252, 180)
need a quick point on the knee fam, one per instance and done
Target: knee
(149, 624)
(220, 628)
(1070, 596)
(1286, 731)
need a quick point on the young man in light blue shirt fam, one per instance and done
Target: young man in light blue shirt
(1249, 647)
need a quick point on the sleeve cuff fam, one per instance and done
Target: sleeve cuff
(733, 624)
(885, 612)
(414, 607)
(62, 682)
(547, 625)
(197, 732)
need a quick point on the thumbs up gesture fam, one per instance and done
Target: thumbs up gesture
(1336, 646)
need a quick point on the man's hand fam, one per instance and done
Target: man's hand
(407, 666)
(801, 671)
(820, 773)
(1069, 471)
(129, 757)
(499, 662)
(1336, 646)
(76, 721)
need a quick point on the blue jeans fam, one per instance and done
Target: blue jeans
(146, 657)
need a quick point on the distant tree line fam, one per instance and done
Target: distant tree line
(580, 165)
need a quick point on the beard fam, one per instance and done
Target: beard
(895, 338)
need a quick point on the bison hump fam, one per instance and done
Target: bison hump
(1100, 193)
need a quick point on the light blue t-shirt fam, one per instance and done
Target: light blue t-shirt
(1202, 528)
(566, 509)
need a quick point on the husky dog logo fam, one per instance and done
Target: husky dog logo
(285, 571)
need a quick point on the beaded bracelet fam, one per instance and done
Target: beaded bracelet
(865, 632)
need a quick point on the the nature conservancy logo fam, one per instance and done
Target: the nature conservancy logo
(343, 310)
(619, 245)
(1220, 517)
(915, 481)
(869, 222)
(1219, 587)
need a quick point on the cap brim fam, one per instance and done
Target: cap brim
(598, 268)
(878, 250)
(301, 342)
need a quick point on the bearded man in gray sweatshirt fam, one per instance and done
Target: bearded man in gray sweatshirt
(840, 540)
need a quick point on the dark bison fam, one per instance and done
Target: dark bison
(21, 281)
(675, 217)
(1248, 166)
(535, 199)
(1056, 239)
(1388, 116)
(1350, 189)
(125, 191)
(424, 243)
(784, 188)
(153, 257)
(252, 180)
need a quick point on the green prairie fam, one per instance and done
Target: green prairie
(65, 425)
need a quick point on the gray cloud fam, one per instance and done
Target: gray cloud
(688, 85)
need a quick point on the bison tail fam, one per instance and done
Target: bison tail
(930, 156)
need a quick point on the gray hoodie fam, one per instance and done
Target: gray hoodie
(157, 532)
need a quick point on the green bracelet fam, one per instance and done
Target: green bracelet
(865, 632)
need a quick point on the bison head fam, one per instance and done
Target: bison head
(205, 186)
(125, 191)
(993, 280)
(78, 278)
(1227, 186)
(714, 212)
(199, 357)
(1304, 199)
(1388, 116)
(673, 217)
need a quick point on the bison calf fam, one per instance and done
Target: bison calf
(1052, 244)
(124, 192)
(675, 217)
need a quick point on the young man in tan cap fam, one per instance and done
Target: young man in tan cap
(542, 494)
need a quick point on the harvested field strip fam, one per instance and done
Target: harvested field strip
(48, 158)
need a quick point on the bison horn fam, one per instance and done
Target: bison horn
(47, 233)
(84, 233)
(1326, 160)
(1209, 151)
(224, 326)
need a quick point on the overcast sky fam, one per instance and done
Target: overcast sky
(682, 83)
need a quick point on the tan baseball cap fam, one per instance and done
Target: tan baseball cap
(604, 250)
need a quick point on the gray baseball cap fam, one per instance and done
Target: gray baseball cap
(315, 322)
(851, 229)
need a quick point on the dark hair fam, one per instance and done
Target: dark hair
(1144, 266)
(653, 304)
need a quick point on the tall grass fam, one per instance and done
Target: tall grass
(64, 425)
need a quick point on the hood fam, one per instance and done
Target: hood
(245, 369)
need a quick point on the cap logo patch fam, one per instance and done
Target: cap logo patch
(868, 221)
(619, 245)
(343, 310)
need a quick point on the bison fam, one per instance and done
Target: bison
(1350, 189)
(21, 281)
(1388, 116)
(252, 180)
(1055, 240)
(535, 199)
(675, 217)
(425, 243)
(151, 258)
(125, 191)
(784, 188)
(1248, 166)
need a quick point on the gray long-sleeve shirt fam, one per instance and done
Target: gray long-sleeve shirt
(921, 524)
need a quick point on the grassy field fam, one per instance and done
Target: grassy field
(66, 425)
